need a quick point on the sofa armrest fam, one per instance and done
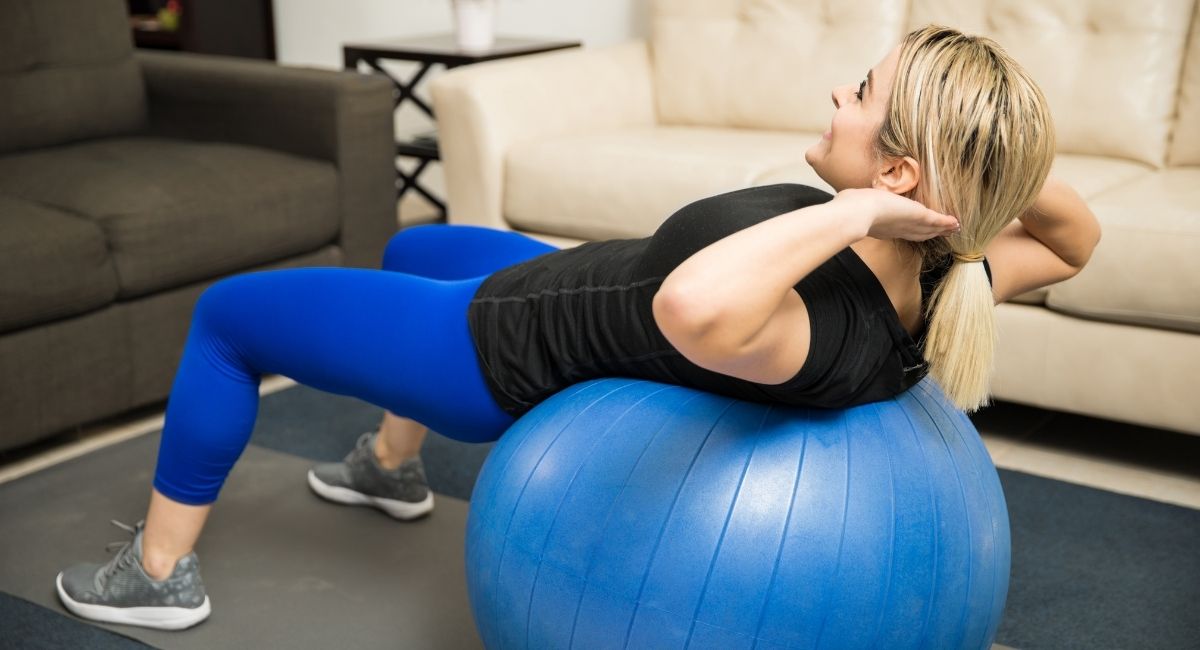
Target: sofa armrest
(484, 109)
(341, 117)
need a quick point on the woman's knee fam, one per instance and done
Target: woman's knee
(220, 298)
(230, 305)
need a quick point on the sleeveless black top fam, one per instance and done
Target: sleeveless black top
(585, 312)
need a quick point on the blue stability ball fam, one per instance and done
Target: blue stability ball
(623, 513)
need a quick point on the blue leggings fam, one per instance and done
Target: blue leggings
(396, 338)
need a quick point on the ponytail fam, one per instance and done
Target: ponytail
(982, 133)
(960, 341)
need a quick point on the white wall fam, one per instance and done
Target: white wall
(311, 33)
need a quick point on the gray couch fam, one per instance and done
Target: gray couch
(130, 181)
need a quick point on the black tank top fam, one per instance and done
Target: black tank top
(585, 312)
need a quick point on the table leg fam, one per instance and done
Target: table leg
(408, 182)
(404, 90)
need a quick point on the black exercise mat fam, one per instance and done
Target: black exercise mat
(28, 626)
(1093, 569)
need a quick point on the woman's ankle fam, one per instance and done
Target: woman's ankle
(157, 564)
(171, 532)
(387, 457)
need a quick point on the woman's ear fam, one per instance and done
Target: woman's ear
(898, 175)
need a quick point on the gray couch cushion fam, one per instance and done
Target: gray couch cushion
(62, 374)
(67, 72)
(176, 212)
(52, 265)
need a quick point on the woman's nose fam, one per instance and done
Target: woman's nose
(841, 94)
(837, 103)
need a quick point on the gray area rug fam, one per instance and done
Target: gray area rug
(283, 568)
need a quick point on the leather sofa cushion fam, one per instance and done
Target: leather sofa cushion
(624, 183)
(764, 64)
(1110, 70)
(67, 73)
(176, 212)
(1185, 141)
(1092, 175)
(52, 265)
(1146, 270)
(1089, 175)
(1108, 370)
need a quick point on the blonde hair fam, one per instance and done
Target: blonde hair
(981, 131)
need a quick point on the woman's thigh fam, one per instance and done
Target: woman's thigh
(452, 252)
(395, 340)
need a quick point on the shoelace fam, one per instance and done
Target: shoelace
(124, 557)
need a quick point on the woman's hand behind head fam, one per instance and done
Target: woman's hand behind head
(893, 216)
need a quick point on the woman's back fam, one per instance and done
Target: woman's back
(587, 312)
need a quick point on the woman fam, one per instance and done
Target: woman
(780, 293)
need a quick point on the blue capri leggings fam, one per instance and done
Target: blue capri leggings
(396, 338)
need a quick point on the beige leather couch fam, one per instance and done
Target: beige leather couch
(729, 93)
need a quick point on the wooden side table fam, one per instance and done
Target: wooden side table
(429, 51)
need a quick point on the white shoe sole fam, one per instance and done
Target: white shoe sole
(396, 508)
(163, 618)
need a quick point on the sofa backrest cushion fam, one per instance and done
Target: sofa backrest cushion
(67, 72)
(1110, 69)
(1185, 141)
(765, 64)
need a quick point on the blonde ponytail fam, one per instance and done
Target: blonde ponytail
(982, 133)
(962, 364)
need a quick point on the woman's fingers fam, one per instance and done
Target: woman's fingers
(942, 220)
(934, 224)
(944, 223)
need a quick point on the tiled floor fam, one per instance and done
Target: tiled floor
(1149, 463)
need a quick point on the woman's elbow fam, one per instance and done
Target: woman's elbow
(693, 329)
(1089, 247)
(679, 313)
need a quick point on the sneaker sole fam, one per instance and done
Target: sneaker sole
(403, 510)
(162, 618)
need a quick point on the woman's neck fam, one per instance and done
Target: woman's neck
(897, 265)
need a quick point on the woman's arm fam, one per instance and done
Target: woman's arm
(731, 306)
(1050, 243)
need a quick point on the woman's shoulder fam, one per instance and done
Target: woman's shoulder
(702, 222)
(787, 192)
(737, 209)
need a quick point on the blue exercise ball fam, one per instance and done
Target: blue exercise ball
(623, 513)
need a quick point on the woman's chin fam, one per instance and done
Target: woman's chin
(813, 159)
(810, 154)
(817, 169)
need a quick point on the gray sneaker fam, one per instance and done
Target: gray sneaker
(360, 480)
(121, 592)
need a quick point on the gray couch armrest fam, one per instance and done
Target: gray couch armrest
(342, 117)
